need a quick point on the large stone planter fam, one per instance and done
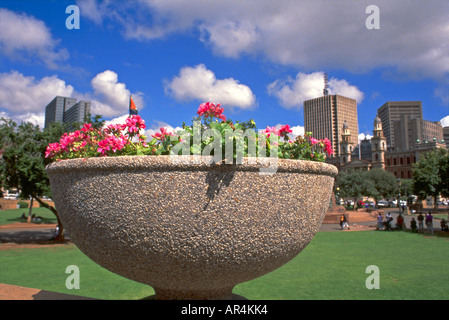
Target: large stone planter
(191, 231)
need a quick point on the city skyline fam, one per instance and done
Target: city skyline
(260, 62)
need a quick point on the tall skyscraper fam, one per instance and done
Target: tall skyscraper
(391, 112)
(326, 115)
(54, 111)
(66, 110)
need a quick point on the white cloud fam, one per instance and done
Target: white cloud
(363, 136)
(230, 38)
(156, 125)
(20, 94)
(293, 92)
(23, 98)
(308, 34)
(110, 97)
(297, 131)
(92, 10)
(199, 83)
(445, 121)
(25, 37)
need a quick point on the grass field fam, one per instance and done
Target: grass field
(332, 267)
(13, 215)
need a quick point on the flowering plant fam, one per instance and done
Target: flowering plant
(210, 131)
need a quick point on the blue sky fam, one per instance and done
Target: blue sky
(260, 59)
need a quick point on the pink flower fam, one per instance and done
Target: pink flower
(52, 150)
(313, 141)
(327, 146)
(114, 128)
(284, 130)
(269, 130)
(209, 109)
(135, 123)
(111, 143)
(162, 135)
(87, 127)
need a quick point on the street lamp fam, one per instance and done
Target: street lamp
(399, 194)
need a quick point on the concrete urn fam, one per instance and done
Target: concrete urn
(189, 229)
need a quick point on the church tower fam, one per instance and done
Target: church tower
(378, 145)
(345, 145)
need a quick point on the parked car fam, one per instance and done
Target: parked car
(382, 204)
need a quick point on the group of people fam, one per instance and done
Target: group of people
(389, 224)
(416, 225)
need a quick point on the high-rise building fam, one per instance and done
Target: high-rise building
(432, 130)
(391, 112)
(325, 118)
(446, 136)
(54, 111)
(66, 110)
(77, 112)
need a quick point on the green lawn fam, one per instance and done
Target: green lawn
(13, 215)
(333, 266)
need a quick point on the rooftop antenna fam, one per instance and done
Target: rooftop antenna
(326, 85)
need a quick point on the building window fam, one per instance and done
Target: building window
(408, 160)
(394, 162)
(401, 160)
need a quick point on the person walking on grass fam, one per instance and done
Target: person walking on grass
(413, 225)
(345, 221)
(429, 222)
(380, 223)
(399, 222)
(420, 222)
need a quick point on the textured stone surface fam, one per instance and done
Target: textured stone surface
(190, 230)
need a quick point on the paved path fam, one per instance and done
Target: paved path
(394, 214)
(46, 234)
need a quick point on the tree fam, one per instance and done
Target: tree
(431, 175)
(384, 184)
(23, 163)
(355, 184)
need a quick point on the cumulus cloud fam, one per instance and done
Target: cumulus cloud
(293, 92)
(23, 98)
(199, 83)
(445, 121)
(308, 34)
(111, 97)
(363, 136)
(25, 37)
(156, 125)
(21, 94)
